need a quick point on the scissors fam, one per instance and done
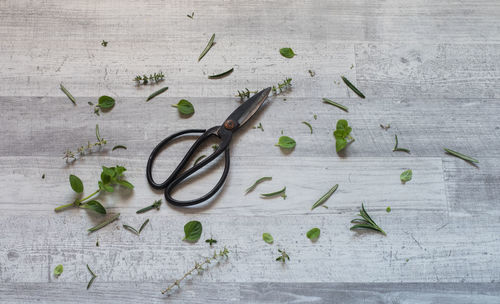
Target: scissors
(225, 132)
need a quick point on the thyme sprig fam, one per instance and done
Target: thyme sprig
(87, 149)
(152, 78)
(366, 222)
(199, 267)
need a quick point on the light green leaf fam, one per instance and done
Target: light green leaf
(192, 231)
(268, 238)
(313, 234)
(184, 107)
(58, 270)
(94, 206)
(287, 52)
(286, 142)
(406, 176)
(76, 183)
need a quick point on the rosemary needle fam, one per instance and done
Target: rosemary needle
(104, 223)
(73, 100)
(333, 103)
(462, 156)
(221, 75)
(396, 146)
(154, 94)
(309, 125)
(207, 48)
(325, 197)
(260, 180)
(279, 192)
(352, 87)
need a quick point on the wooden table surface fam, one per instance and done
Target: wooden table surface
(430, 69)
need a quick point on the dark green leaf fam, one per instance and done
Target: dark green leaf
(221, 75)
(76, 183)
(313, 234)
(406, 176)
(286, 142)
(130, 228)
(94, 206)
(333, 103)
(287, 52)
(156, 205)
(104, 223)
(325, 197)
(184, 107)
(154, 94)
(207, 48)
(119, 147)
(119, 170)
(143, 225)
(462, 156)
(58, 270)
(260, 180)
(192, 231)
(268, 238)
(73, 100)
(106, 102)
(309, 125)
(352, 87)
(211, 241)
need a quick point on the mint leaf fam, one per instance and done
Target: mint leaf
(76, 183)
(268, 238)
(287, 52)
(313, 234)
(58, 270)
(125, 184)
(94, 206)
(192, 231)
(184, 107)
(286, 142)
(406, 176)
(106, 102)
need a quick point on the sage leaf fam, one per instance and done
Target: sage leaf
(58, 270)
(104, 223)
(287, 52)
(342, 134)
(352, 87)
(73, 100)
(76, 183)
(462, 156)
(156, 93)
(309, 125)
(260, 180)
(286, 142)
(106, 102)
(268, 238)
(119, 147)
(406, 176)
(94, 206)
(207, 48)
(325, 197)
(313, 234)
(184, 107)
(192, 231)
(333, 103)
(221, 75)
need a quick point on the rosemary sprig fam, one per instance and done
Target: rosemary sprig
(221, 75)
(283, 256)
(199, 267)
(87, 149)
(154, 94)
(281, 193)
(132, 229)
(333, 103)
(325, 197)
(152, 78)
(352, 87)
(73, 100)
(91, 279)
(366, 222)
(462, 156)
(309, 125)
(207, 48)
(396, 146)
(104, 223)
(260, 180)
(156, 205)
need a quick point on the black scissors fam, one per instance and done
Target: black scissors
(225, 132)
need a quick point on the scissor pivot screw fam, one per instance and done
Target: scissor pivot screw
(229, 124)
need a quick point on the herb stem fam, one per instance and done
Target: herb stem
(104, 223)
(76, 203)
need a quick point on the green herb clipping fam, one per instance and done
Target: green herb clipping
(313, 234)
(283, 256)
(325, 197)
(287, 52)
(198, 159)
(388, 209)
(352, 87)
(333, 103)
(211, 241)
(156, 93)
(268, 238)
(260, 180)
(119, 147)
(285, 142)
(192, 231)
(462, 156)
(92, 278)
(396, 148)
(184, 107)
(104, 223)
(309, 125)
(365, 222)
(76, 183)
(406, 176)
(281, 193)
(73, 100)
(94, 206)
(342, 135)
(106, 102)
(58, 270)
(221, 75)
(207, 48)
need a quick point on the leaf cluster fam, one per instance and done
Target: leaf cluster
(113, 176)
(342, 135)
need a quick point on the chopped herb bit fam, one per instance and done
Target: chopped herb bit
(260, 180)
(207, 48)
(396, 146)
(342, 135)
(191, 16)
(215, 147)
(388, 209)
(325, 197)
(283, 256)
(312, 73)
(104, 43)
(184, 107)
(366, 222)
(352, 66)
(221, 75)
(211, 241)
(462, 156)
(267, 237)
(385, 127)
(58, 270)
(313, 234)
(315, 117)
(152, 78)
(119, 147)
(198, 159)
(192, 231)
(309, 125)
(406, 176)
(87, 149)
(333, 103)
(259, 126)
(352, 87)
(281, 193)
(154, 94)
(91, 279)
(143, 225)
(43, 176)
(104, 223)
(73, 100)
(156, 205)
(286, 142)
(287, 52)
(132, 229)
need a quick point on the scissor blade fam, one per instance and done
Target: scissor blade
(244, 112)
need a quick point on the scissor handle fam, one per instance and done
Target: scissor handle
(176, 178)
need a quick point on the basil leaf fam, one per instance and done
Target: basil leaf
(268, 238)
(58, 270)
(286, 142)
(192, 231)
(154, 94)
(76, 183)
(106, 102)
(184, 107)
(313, 234)
(406, 176)
(125, 184)
(287, 52)
(94, 206)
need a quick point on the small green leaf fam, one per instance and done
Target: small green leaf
(286, 142)
(388, 209)
(406, 176)
(94, 206)
(192, 231)
(268, 238)
(58, 270)
(106, 102)
(156, 93)
(184, 107)
(313, 234)
(73, 100)
(287, 52)
(125, 184)
(76, 183)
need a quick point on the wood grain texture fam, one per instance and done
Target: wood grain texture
(429, 69)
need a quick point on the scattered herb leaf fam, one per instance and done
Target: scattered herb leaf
(73, 100)
(221, 75)
(282, 86)
(245, 93)
(198, 159)
(267, 237)
(94, 206)
(315, 116)
(325, 197)
(119, 147)
(211, 241)
(156, 93)
(87, 149)
(91, 279)
(285, 142)
(130, 228)
(313, 234)
(396, 146)
(462, 156)
(406, 176)
(104, 43)
(192, 231)
(283, 256)
(385, 127)
(152, 78)
(207, 48)
(366, 222)
(333, 103)
(388, 209)
(76, 183)
(58, 270)
(184, 107)
(260, 180)
(259, 126)
(342, 135)
(309, 125)
(215, 147)
(156, 205)
(104, 223)
(352, 87)
(191, 16)
(287, 52)
(281, 193)
(312, 73)
(43, 176)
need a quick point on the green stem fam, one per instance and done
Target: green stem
(87, 197)
(76, 202)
